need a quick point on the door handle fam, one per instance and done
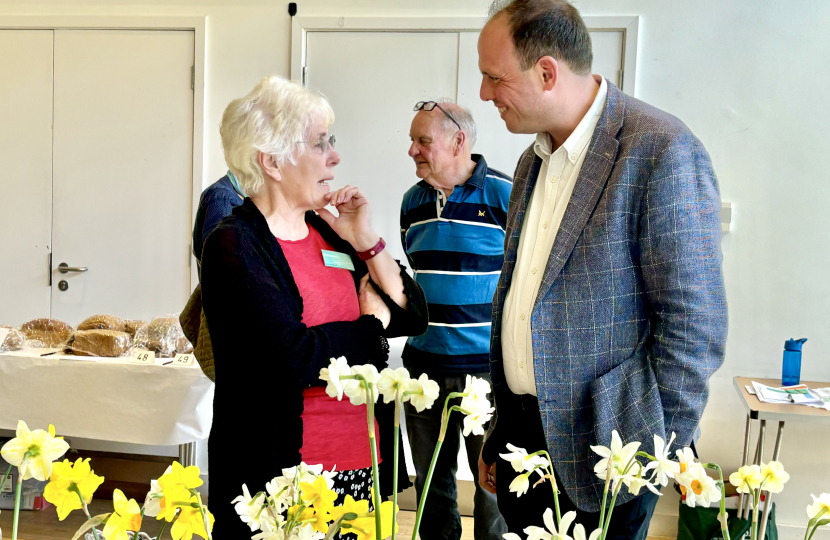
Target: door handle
(64, 268)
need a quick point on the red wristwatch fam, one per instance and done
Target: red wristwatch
(366, 255)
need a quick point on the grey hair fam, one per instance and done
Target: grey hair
(547, 28)
(273, 119)
(464, 118)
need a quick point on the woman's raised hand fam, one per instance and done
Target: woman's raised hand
(371, 303)
(353, 224)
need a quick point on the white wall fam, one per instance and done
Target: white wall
(747, 76)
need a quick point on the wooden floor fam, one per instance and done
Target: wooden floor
(44, 524)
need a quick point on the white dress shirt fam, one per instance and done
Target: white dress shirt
(554, 185)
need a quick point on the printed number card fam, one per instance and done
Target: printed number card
(144, 357)
(183, 360)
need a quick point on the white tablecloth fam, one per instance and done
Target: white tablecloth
(107, 399)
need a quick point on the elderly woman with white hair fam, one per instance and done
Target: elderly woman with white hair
(286, 286)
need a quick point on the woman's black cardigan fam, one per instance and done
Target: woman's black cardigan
(265, 356)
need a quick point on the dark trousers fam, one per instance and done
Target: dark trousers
(523, 428)
(441, 519)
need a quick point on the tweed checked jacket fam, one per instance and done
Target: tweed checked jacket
(630, 320)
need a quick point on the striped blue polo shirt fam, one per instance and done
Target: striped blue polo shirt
(455, 247)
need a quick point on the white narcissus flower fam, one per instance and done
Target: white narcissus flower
(617, 455)
(43, 448)
(822, 503)
(521, 462)
(664, 467)
(476, 391)
(747, 479)
(520, 484)
(552, 533)
(270, 531)
(358, 393)
(392, 384)
(774, 476)
(248, 508)
(424, 392)
(337, 368)
(634, 480)
(474, 422)
(306, 532)
(579, 533)
(701, 489)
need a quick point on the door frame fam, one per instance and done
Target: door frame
(195, 24)
(629, 25)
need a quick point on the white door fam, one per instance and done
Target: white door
(123, 144)
(26, 169)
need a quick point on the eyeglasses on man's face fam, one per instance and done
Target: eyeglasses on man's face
(429, 105)
(323, 143)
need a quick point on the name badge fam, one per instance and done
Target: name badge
(334, 259)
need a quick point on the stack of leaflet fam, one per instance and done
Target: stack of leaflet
(793, 395)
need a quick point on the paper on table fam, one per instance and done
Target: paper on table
(793, 395)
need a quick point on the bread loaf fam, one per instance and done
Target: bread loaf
(14, 340)
(131, 327)
(50, 332)
(103, 322)
(108, 343)
(160, 335)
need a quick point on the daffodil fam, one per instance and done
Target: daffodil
(126, 517)
(664, 467)
(173, 497)
(474, 422)
(634, 480)
(424, 392)
(190, 522)
(249, 509)
(617, 456)
(67, 481)
(365, 527)
(306, 532)
(820, 506)
(579, 533)
(358, 393)
(34, 451)
(337, 368)
(520, 484)
(701, 489)
(774, 477)
(188, 477)
(685, 458)
(350, 506)
(392, 384)
(747, 479)
(271, 530)
(318, 495)
(552, 532)
(521, 462)
(475, 391)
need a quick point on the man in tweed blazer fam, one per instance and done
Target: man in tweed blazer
(610, 313)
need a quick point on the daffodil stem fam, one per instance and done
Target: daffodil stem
(395, 431)
(17, 505)
(756, 503)
(86, 509)
(604, 499)
(370, 418)
(608, 517)
(204, 516)
(425, 491)
(723, 523)
(553, 485)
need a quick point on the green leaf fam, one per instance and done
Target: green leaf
(90, 523)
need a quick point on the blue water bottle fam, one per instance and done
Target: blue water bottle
(791, 371)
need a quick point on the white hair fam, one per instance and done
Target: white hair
(273, 119)
(464, 118)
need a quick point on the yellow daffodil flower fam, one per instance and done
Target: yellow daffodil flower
(65, 483)
(774, 476)
(364, 527)
(173, 494)
(318, 520)
(747, 479)
(190, 522)
(41, 447)
(184, 476)
(318, 495)
(126, 517)
(350, 506)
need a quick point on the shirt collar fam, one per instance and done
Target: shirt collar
(581, 136)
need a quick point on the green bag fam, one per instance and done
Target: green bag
(702, 524)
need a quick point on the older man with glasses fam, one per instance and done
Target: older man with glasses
(452, 229)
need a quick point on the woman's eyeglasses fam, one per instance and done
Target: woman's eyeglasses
(323, 143)
(429, 105)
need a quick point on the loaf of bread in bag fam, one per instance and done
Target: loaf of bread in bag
(103, 322)
(107, 343)
(50, 332)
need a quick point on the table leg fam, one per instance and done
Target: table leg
(768, 503)
(759, 454)
(747, 436)
(187, 454)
